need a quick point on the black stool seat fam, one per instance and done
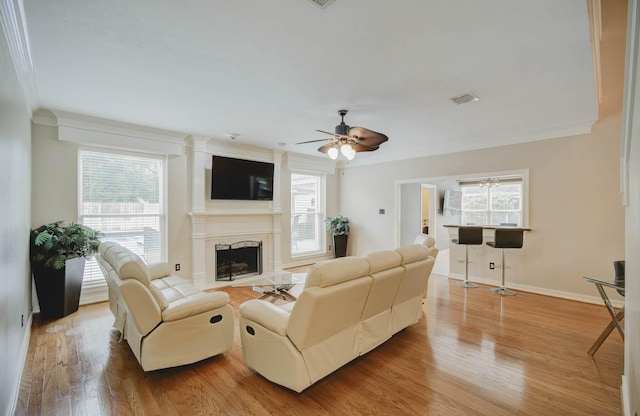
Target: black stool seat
(506, 238)
(468, 236)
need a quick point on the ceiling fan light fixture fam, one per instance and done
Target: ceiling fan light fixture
(333, 153)
(347, 151)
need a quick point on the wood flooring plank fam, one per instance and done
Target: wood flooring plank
(471, 353)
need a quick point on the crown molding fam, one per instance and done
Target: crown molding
(14, 27)
(446, 147)
(94, 131)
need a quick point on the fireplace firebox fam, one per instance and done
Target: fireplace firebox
(237, 259)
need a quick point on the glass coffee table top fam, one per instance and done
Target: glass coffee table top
(273, 285)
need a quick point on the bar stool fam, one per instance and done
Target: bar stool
(468, 236)
(506, 238)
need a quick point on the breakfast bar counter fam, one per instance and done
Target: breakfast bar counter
(484, 261)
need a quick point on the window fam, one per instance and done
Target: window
(123, 196)
(494, 202)
(307, 204)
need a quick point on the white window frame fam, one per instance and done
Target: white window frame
(99, 281)
(519, 179)
(321, 215)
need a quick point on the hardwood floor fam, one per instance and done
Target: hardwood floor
(472, 353)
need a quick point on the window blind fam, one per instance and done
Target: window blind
(122, 195)
(307, 236)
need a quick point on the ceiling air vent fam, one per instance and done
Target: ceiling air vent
(467, 97)
(323, 4)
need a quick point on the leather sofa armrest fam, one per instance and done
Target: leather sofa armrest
(158, 270)
(266, 314)
(194, 304)
(143, 308)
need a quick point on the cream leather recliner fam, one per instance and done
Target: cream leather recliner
(348, 306)
(165, 319)
(430, 243)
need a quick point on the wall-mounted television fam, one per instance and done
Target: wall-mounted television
(241, 180)
(452, 202)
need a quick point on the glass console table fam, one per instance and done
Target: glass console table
(616, 316)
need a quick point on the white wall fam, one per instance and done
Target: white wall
(631, 385)
(55, 179)
(15, 273)
(575, 210)
(411, 212)
(55, 191)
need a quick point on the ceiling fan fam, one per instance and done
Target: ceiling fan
(349, 140)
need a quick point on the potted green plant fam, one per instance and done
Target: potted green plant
(339, 228)
(58, 254)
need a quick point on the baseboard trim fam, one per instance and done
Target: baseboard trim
(625, 397)
(596, 300)
(21, 363)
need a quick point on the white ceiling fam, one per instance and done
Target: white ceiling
(272, 72)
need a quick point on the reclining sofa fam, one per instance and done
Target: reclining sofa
(348, 306)
(166, 321)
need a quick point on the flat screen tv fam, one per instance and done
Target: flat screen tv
(452, 202)
(239, 179)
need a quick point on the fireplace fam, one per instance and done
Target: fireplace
(237, 259)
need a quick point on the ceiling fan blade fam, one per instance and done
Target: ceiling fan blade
(337, 135)
(366, 136)
(363, 148)
(360, 142)
(325, 147)
(326, 132)
(315, 141)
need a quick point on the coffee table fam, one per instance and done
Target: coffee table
(273, 285)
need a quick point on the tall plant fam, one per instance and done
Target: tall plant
(338, 225)
(52, 244)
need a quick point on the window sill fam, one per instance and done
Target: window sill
(94, 291)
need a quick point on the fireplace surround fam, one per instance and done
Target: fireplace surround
(238, 259)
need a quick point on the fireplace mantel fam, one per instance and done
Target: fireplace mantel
(234, 212)
(227, 227)
(216, 222)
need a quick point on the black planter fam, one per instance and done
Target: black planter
(59, 290)
(340, 245)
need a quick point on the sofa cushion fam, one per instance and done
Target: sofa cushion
(331, 272)
(127, 264)
(383, 260)
(413, 252)
(158, 270)
(179, 299)
(425, 240)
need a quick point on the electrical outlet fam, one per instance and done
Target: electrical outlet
(177, 267)
(492, 265)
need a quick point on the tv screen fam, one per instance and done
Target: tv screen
(239, 179)
(452, 202)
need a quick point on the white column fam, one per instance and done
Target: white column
(277, 171)
(276, 218)
(198, 247)
(199, 162)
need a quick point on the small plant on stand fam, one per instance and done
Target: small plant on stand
(339, 228)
